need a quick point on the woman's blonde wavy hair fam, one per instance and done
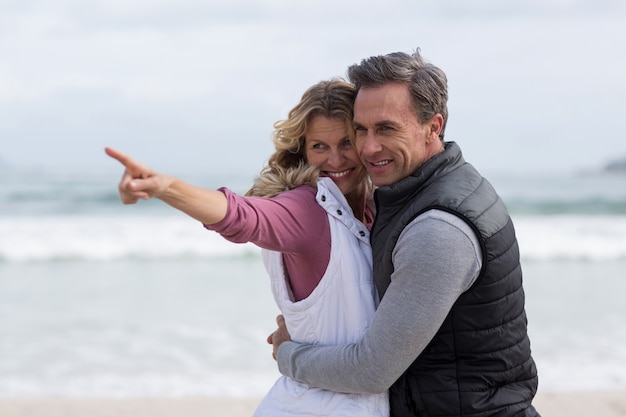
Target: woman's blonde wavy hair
(287, 167)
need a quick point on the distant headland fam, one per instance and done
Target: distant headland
(617, 165)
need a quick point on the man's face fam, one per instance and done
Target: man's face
(389, 139)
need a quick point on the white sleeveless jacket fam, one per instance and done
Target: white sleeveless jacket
(337, 312)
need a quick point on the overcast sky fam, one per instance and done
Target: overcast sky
(190, 84)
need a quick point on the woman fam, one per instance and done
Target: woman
(314, 232)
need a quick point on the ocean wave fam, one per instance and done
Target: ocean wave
(548, 206)
(101, 238)
(52, 192)
(104, 238)
(571, 237)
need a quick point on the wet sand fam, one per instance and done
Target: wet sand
(549, 404)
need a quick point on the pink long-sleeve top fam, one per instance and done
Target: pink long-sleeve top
(292, 223)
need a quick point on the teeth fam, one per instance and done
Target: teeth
(338, 174)
(381, 163)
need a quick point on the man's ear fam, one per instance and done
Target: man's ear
(435, 125)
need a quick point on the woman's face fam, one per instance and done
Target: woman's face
(329, 148)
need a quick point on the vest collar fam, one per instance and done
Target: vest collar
(439, 164)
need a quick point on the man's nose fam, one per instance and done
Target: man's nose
(368, 145)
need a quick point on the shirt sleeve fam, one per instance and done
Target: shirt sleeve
(290, 222)
(436, 259)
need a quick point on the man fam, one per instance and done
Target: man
(449, 336)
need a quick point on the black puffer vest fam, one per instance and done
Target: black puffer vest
(479, 362)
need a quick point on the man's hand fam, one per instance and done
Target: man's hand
(279, 336)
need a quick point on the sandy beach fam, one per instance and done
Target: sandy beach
(549, 404)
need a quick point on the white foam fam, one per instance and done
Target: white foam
(105, 238)
(571, 237)
(22, 239)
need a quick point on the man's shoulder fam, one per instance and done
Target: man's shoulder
(438, 224)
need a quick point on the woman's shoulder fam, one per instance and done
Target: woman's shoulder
(301, 199)
(301, 192)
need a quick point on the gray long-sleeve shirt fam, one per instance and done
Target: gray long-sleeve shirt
(436, 258)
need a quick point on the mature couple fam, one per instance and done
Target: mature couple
(439, 327)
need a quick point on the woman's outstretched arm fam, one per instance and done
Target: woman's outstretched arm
(140, 182)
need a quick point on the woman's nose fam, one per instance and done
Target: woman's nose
(336, 158)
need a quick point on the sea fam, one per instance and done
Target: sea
(99, 299)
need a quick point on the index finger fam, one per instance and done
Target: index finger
(119, 156)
